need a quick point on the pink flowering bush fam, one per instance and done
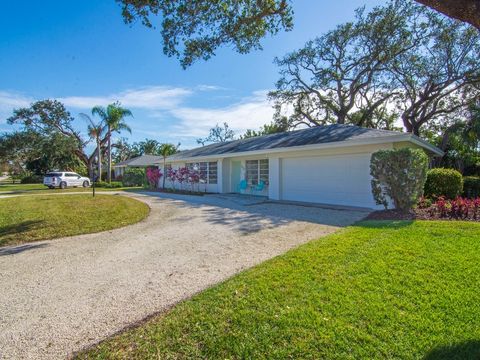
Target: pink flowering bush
(194, 178)
(186, 177)
(172, 176)
(183, 175)
(153, 176)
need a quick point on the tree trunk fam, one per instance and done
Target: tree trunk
(164, 170)
(99, 159)
(464, 10)
(109, 175)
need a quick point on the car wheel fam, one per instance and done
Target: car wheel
(63, 185)
(51, 187)
(85, 184)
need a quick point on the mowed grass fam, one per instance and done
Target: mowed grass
(8, 189)
(32, 218)
(377, 290)
(21, 187)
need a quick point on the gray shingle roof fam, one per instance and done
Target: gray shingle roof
(310, 136)
(144, 160)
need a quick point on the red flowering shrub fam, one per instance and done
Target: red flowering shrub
(460, 208)
(172, 176)
(153, 176)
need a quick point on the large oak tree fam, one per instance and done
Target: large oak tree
(195, 29)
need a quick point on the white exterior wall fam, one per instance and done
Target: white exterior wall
(337, 176)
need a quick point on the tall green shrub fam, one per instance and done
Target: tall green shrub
(398, 176)
(471, 187)
(443, 182)
(134, 177)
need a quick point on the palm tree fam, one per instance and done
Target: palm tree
(95, 131)
(114, 118)
(166, 150)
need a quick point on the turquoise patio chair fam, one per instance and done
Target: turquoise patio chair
(243, 186)
(260, 186)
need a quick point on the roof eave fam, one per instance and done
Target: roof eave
(337, 144)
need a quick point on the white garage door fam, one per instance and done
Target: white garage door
(339, 179)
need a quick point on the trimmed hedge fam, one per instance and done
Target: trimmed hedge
(32, 179)
(471, 187)
(443, 182)
(398, 176)
(134, 177)
(112, 185)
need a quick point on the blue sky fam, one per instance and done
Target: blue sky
(82, 53)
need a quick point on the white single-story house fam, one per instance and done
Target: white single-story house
(139, 161)
(326, 164)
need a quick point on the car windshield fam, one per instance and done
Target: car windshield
(53, 174)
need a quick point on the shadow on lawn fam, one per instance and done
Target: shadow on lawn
(468, 350)
(7, 231)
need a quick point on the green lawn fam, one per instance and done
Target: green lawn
(32, 218)
(21, 187)
(377, 290)
(6, 189)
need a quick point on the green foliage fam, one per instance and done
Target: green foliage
(218, 134)
(281, 124)
(110, 185)
(471, 187)
(32, 179)
(354, 73)
(443, 182)
(398, 175)
(376, 290)
(134, 177)
(194, 29)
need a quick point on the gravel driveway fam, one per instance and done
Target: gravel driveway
(61, 295)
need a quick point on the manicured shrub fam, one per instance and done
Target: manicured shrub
(112, 185)
(134, 177)
(32, 179)
(443, 182)
(471, 187)
(398, 176)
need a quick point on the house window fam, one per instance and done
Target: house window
(207, 170)
(212, 172)
(257, 170)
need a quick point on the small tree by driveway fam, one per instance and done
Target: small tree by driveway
(398, 176)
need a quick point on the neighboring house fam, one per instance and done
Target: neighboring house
(139, 161)
(325, 164)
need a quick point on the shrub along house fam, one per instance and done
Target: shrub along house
(136, 162)
(326, 164)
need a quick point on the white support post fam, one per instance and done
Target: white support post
(220, 176)
(274, 174)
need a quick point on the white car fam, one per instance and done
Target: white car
(65, 179)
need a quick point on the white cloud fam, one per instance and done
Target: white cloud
(169, 115)
(10, 101)
(249, 113)
(148, 97)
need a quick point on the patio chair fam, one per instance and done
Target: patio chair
(260, 186)
(243, 186)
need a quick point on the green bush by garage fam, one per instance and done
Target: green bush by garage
(471, 187)
(443, 182)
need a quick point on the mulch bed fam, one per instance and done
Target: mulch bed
(415, 214)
